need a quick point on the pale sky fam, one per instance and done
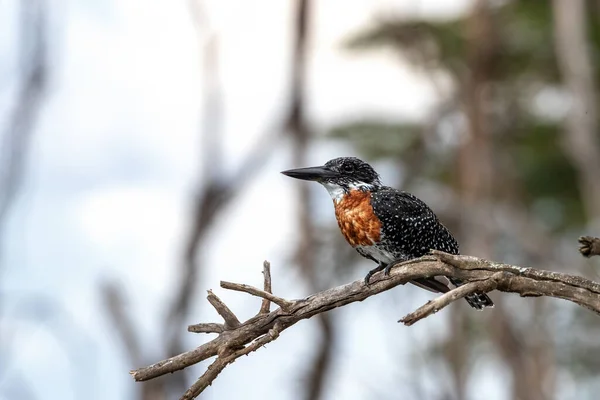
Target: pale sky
(110, 183)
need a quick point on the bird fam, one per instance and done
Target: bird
(384, 224)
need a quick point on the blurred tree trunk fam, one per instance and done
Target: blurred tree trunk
(298, 128)
(471, 167)
(581, 128)
(300, 134)
(14, 143)
(474, 171)
(475, 155)
(21, 123)
(477, 188)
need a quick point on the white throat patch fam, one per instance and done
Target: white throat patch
(337, 192)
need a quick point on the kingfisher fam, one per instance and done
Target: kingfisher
(384, 224)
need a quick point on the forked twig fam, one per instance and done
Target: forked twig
(222, 361)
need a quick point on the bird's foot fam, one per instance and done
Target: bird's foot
(372, 272)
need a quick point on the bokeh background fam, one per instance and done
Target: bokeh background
(141, 144)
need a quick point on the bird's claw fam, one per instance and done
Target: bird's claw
(387, 269)
(373, 271)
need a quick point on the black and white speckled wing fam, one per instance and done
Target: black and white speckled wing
(409, 227)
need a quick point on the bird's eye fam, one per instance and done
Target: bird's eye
(348, 168)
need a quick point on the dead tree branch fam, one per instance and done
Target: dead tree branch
(235, 340)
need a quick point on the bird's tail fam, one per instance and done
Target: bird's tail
(479, 301)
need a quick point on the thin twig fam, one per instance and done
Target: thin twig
(208, 327)
(240, 287)
(435, 305)
(229, 317)
(265, 306)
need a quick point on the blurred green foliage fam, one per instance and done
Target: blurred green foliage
(380, 139)
(522, 64)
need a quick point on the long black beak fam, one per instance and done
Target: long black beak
(311, 173)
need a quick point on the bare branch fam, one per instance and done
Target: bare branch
(474, 263)
(481, 275)
(590, 246)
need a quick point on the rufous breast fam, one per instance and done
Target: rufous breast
(356, 219)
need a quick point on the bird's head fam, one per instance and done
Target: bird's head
(339, 175)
